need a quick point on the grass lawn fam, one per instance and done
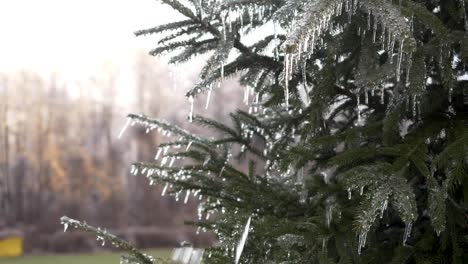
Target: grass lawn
(95, 258)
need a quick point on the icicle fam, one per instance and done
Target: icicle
(324, 244)
(187, 195)
(450, 95)
(361, 190)
(414, 106)
(306, 43)
(158, 154)
(134, 170)
(349, 194)
(286, 78)
(392, 47)
(222, 170)
(383, 36)
(229, 20)
(374, 33)
(241, 17)
(191, 108)
(246, 95)
(312, 43)
(384, 207)
(400, 58)
(208, 97)
(163, 161)
(366, 97)
(223, 22)
(275, 34)
(382, 94)
(163, 193)
(241, 244)
(362, 241)
(65, 227)
(189, 145)
(329, 215)
(222, 71)
(408, 69)
(368, 21)
(172, 161)
(357, 107)
(419, 110)
(127, 123)
(407, 233)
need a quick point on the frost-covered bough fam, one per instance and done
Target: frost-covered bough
(135, 256)
(354, 147)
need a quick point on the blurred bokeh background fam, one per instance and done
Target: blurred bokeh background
(70, 71)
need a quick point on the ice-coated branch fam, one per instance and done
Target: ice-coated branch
(104, 236)
(312, 24)
(390, 16)
(236, 3)
(161, 28)
(153, 123)
(176, 5)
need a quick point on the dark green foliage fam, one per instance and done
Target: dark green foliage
(356, 146)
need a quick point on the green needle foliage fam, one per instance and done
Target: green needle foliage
(356, 141)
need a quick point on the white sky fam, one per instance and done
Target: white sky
(74, 37)
(77, 40)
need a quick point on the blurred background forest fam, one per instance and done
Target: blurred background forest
(60, 155)
(70, 72)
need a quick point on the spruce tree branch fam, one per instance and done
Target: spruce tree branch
(267, 61)
(104, 235)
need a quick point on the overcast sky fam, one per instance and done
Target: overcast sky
(74, 37)
(80, 39)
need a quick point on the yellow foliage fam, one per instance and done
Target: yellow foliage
(11, 246)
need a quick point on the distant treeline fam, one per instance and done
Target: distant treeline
(59, 155)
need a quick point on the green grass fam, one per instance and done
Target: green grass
(95, 258)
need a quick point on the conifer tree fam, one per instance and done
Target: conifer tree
(356, 138)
